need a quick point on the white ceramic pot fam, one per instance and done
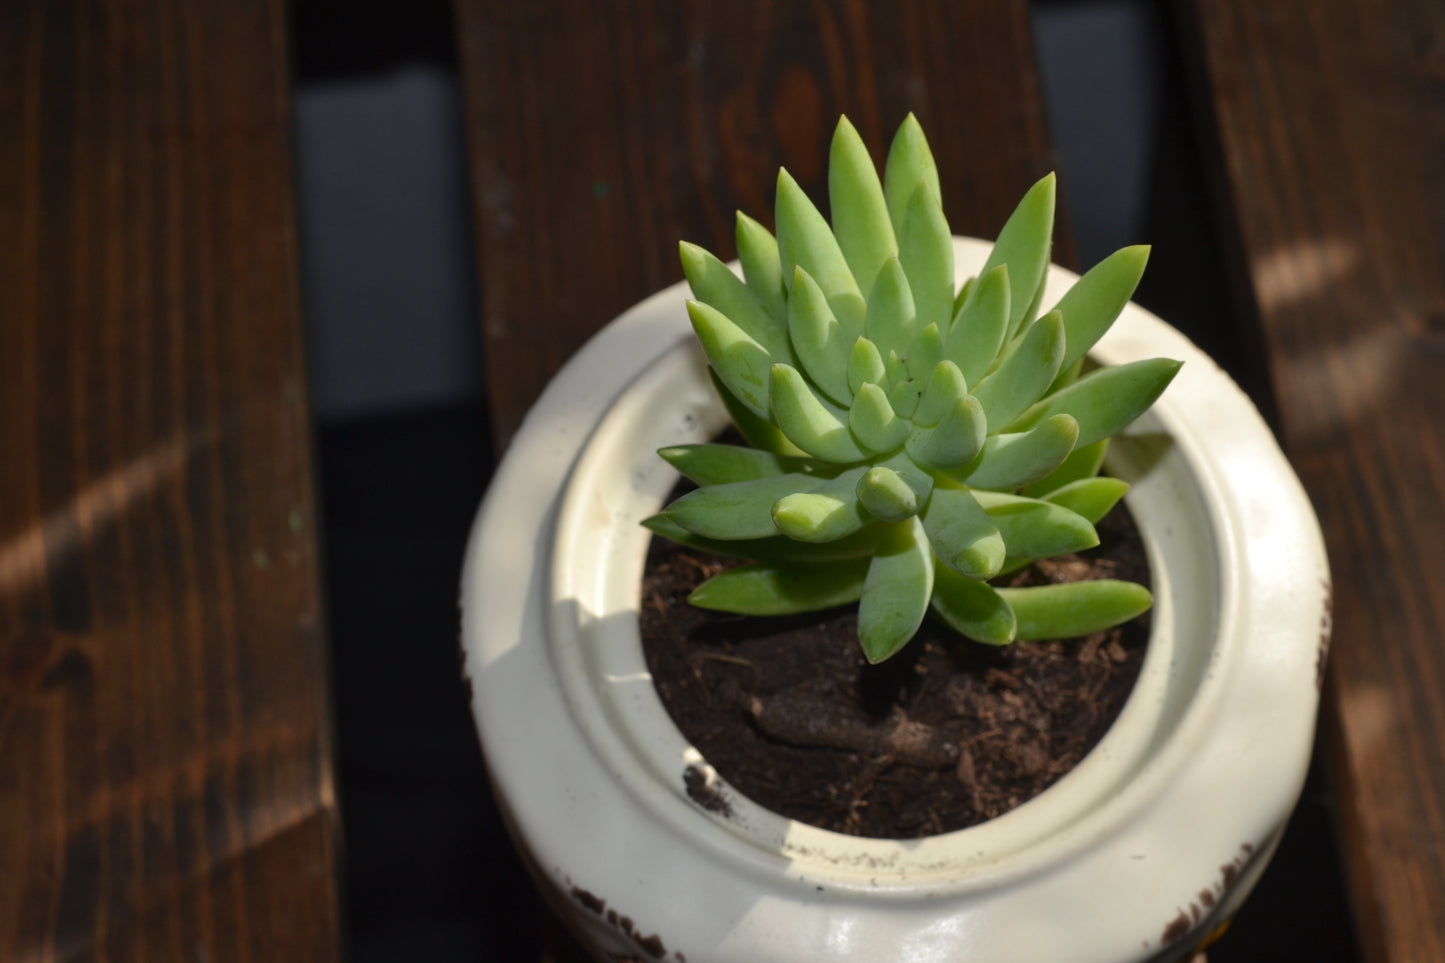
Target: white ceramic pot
(1138, 854)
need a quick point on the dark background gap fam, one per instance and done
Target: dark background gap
(404, 449)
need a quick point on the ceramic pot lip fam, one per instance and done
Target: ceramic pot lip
(596, 566)
(501, 602)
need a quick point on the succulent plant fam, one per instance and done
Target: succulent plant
(906, 442)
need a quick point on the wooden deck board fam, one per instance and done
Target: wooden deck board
(166, 784)
(1330, 119)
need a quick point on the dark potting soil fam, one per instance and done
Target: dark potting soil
(944, 735)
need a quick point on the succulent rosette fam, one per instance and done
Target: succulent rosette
(906, 442)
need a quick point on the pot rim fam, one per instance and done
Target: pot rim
(651, 330)
(590, 582)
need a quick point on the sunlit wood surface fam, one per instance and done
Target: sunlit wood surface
(1331, 120)
(165, 773)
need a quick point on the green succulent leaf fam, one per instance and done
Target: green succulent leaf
(1015, 460)
(718, 464)
(918, 478)
(909, 446)
(895, 367)
(1072, 609)
(805, 239)
(1024, 244)
(865, 365)
(764, 589)
(874, 424)
(1083, 462)
(891, 314)
(850, 309)
(758, 252)
(1032, 528)
(811, 423)
(1092, 498)
(910, 163)
(818, 339)
(945, 387)
(778, 549)
(758, 432)
(964, 291)
(714, 284)
(925, 249)
(860, 214)
(954, 441)
(979, 325)
(1033, 310)
(1097, 298)
(740, 362)
(973, 608)
(1067, 375)
(827, 513)
(963, 536)
(925, 354)
(1025, 372)
(738, 509)
(903, 395)
(896, 374)
(896, 591)
(887, 495)
(1106, 400)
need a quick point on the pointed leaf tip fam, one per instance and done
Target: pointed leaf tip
(1011, 461)
(1027, 370)
(891, 318)
(1024, 244)
(925, 248)
(805, 238)
(819, 341)
(1106, 400)
(977, 331)
(758, 252)
(909, 162)
(860, 213)
(1095, 301)
(714, 284)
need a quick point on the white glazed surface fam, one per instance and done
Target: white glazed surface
(1102, 867)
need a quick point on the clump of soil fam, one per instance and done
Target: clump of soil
(944, 735)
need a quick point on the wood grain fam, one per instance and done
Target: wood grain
(602, 133)
(165, 761)
(1330, 123)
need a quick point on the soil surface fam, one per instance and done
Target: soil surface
(946, 734)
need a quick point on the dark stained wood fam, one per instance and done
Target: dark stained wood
(1330, 117)
(602, 133)
(166, 788)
